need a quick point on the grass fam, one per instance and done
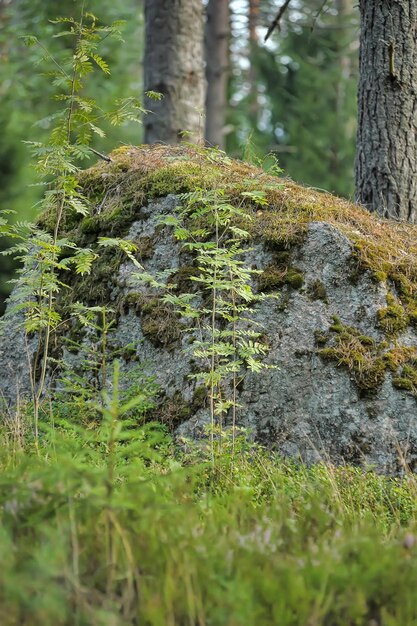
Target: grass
(115, 526)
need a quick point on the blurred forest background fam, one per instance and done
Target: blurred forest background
(294, 96)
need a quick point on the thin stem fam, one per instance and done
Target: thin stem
(52, 58)
(234, 379)
(213, 338)
(41, 385)
(114, 416)
(58, 221)
(74, 75)
(103, 350)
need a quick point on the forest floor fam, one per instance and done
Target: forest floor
(116, 526)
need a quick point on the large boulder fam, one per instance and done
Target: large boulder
(341, 331)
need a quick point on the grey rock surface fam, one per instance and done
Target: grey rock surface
(306, 407)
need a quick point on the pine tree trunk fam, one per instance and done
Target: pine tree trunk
(174, 67)
(386, 164)
(217, 68)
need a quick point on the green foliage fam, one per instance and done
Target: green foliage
(224, 341)
(107, 526)
(297, 98)
(72, 129)
(28, 97)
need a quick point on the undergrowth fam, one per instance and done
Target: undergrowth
(112, 525)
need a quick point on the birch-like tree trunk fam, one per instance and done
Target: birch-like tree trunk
(217, 39)
(174, 67)
(386, 164)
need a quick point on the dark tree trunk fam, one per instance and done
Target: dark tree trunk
(174, 67)
(217, 68)
(386, 164)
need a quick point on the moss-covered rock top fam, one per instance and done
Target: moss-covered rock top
(117, 190)
(137, 173)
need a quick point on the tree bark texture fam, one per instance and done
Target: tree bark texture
(174, 67)
(386, 163)
(217, 39)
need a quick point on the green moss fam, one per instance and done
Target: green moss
(90, 225)
(397, 356)
(407, 379)
(404, 286)
(410, 372)
(403, 383)
(358, 352)
(278, 274)
(115, 222)
(133, 301)
(342, 329)
(182, 279)
(277, 234)
(321, 337)
(146, 247)
(393, 319)
(95, 288)
(159, 322)
(380, 276)
(47, 219)
(366, 341)
(179, 178)
(367, 371)
(129, 353)
(172, 411)
(199, 399)
(317, 291)
(271, 278)
(366, 359)
(294, 278)
(282, 258)
(412, 316)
